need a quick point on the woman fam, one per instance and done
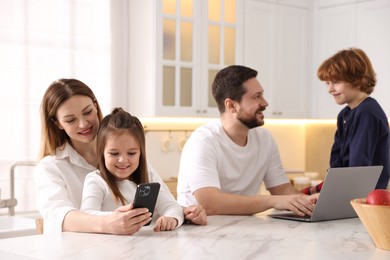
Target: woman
(70, 120)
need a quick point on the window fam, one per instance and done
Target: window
(42, 41)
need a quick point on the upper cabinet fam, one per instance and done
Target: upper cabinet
(345, 24)
(277, 45)
(176, 48)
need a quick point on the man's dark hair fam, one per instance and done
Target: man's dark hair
(228, 83)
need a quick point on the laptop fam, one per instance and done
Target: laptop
(340, 186)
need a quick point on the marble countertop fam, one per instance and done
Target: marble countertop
(16, 226)
(225, 237)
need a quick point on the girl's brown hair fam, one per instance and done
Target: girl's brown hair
(117, 123)
(351, 66)
(56, 94)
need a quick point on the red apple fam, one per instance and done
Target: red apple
(378, 197)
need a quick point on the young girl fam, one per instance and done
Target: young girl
(362, 136)
(122, 165)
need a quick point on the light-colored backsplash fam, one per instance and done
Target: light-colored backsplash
(318, 142)
(304, 145)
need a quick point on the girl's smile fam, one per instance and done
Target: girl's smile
(121, 155)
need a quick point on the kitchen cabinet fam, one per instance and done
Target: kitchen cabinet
(362, 24)
(176, 48)
(373, 36)
(277, 45)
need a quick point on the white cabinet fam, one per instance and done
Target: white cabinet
(176, 48)
(363, 25)
(373, 36)
(336, 30)
(277, 45)
(284, 40)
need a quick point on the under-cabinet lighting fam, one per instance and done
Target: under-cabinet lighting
(191, 123)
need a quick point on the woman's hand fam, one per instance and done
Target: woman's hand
(126, 221)
(195, 214)
(165, 224)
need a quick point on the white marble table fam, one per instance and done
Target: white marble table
(16, 226)
(225, 237)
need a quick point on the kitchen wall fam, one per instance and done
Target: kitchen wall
(23, 187)
(304, 145)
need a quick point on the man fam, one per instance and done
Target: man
(223, 163)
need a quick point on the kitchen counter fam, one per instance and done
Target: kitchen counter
(16, 226)
(225, 237)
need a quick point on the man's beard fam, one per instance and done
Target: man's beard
(250, 122)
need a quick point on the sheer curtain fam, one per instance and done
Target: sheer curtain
(44, 40)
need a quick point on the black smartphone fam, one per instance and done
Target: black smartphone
(146, 196)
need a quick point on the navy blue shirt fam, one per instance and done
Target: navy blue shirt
(362, 139)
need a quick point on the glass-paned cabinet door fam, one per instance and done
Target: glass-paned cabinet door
(177, 52)
(198, 39)
(221, 27)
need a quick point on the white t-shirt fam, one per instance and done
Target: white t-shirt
(211, 159)
(99, 200)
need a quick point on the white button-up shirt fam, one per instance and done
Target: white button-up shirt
(59, 181)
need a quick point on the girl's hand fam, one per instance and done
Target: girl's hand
(165, 224)
(195, 214)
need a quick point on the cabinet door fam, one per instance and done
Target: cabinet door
(177, 60)
(336, 31)
(292, 71)
(373, 36)
(276, 45)
(363, 25)
(220, 33)
(260, 45)
(198, 38)
(169, 71)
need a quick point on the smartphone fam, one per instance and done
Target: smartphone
(146, 196)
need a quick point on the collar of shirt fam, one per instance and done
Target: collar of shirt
(74, 157)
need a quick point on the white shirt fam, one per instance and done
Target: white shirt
(59, 181)
(99, 200)
(211, 159)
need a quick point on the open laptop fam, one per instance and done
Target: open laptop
(340, 186)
